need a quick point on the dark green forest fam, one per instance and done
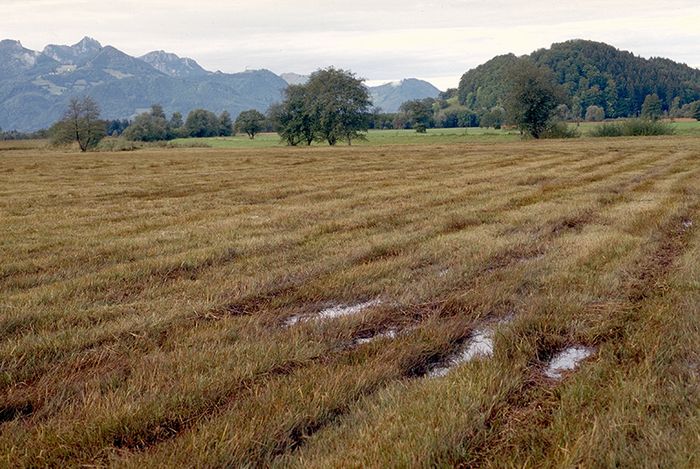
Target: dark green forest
(593, 74)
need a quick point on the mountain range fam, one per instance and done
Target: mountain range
(35, 86)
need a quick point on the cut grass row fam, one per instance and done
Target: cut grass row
(158, 339)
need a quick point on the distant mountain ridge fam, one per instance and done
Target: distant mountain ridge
(390, 96)
(172, 65)
(35, 87)
(593, 73)
(294, 78)
(77, 54)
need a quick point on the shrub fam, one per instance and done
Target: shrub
(595, 113)
(645, 128)
(117, 144)
(633, 128)
(561, 130)
(608, 130)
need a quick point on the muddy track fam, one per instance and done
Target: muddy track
(674, 235)
(420, 365)
(535, 400)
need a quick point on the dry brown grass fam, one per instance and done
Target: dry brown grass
(144, 298)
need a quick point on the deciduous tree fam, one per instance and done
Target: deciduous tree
(202, 123)
(149, 126)
(81, 123)
(339, 105)
(532, 99)
(419, 113)
(595, 113)
(651, 108)
(225, 124)
(251, 122)
(293, 118)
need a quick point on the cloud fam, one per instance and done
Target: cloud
(377, 39)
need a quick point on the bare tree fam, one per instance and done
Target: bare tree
(81, 123)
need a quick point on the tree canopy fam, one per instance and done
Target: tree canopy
(418, 113)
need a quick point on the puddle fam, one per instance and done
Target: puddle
(479, 345)
(390, 334)
(566, 360)
(333, 312)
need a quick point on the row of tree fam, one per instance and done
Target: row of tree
(429, 113)
(81, 123)
(154, 125)
(334, 106)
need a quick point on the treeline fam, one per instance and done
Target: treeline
(332, 106)
(17, 135)
(428, 113)
(154, 125)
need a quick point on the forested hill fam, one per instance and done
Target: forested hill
(593, 73)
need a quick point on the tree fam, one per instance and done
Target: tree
(419, 113)
(149, 126)
(675, 109)
(595, 113)
(251, 122)
(176, 121)
(576, 109)
(202, 123)
(225, 125)
(117, 127)
(157, 111)
(339, 105)
(176, 126)
(696, 115)
(80, 123)
(293, 118)
(651, 108)
(494, 117)
(563, 112)
(532, 99)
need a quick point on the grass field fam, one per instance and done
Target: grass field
(377, 306)
(685, 127)
(374, 138)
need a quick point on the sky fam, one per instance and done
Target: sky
(378, 40)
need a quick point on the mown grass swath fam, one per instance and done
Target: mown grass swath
(147, 297)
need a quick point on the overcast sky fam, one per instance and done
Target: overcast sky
(379, 40)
